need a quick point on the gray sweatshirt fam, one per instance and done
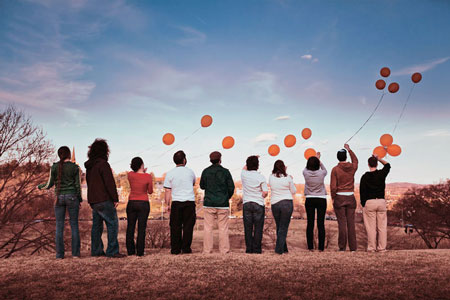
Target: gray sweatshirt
(314, 181)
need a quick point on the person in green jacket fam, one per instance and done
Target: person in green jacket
(65, 175)
(219, 188)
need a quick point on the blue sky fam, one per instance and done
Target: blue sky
(130, 71)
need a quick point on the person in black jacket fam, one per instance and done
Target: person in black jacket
(371, 191)
(103, 198)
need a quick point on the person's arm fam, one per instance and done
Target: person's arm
(333, 183)
(322, 168)
(150, 185)
(292, 187)
(203, 180)
(78, 184)
(168, 197)
(363, 191)
(51, 180)
(264, 188)
(110, 183)
(230, 185)
(353, 157)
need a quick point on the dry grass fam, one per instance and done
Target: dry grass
(417, 274)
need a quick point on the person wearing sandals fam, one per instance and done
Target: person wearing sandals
(65, 175)
(316, 199)
(138, 207)
(281, 190)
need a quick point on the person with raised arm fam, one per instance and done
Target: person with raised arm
(219, 188)
(282, 189)
(180, 200)
(371, 190)
(65, 175)
(316, 199)
(342, 185)
(254, 191)
(138, 207)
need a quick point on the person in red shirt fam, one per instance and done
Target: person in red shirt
(138, 207)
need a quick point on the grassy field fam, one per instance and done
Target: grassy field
(411, 274)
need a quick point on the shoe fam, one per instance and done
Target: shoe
(117, 255)
(311, 250)
(60, 258)
(97, 255)
(341, 249)
(186, 252)
(76, 257)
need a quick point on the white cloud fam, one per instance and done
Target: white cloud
(265, 137)
(191, 36)
(421, 67)
(306, 56)
(438, 133)
(282, 118)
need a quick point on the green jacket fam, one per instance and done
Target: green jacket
(70, 180)
(218, 185)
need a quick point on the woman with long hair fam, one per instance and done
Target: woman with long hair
(316, 199)
(282, 189)
(138, 207)
(66, 176)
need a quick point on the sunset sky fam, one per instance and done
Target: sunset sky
(130, 71)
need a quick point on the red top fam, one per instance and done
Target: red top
(141, 184)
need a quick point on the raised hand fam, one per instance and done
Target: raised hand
(347, 147)
(318, 155)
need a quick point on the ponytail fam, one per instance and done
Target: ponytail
(63, 154)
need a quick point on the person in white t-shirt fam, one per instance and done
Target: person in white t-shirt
(282, 188)
(180, 199)
(254, 188)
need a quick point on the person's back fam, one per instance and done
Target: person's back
(373, 184)
(141, 184)
(218, 185)
(314, 182)
(253, 185)
(100, 181)
(69, 183)
(181, 180)
(281, 188)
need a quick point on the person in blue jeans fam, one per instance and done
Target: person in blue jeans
(103, 198)
(66, 176)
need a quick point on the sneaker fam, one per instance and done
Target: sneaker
(117, 255)
(76, 257)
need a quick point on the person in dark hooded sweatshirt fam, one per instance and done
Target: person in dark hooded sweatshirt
(342, 187)
(103, 198)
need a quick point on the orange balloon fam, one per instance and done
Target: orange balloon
(380, 84)
(290, 140)
(274, 150)
(379, 151)
(310, 152)
(206, 121)
(394, 87)
(416, 77)
(385, 72)
(394, 150)
(306, 133)
(168, 139)
(386, 140)
(228, 142)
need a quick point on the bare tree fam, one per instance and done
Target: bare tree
(24, 155)
(427, 209)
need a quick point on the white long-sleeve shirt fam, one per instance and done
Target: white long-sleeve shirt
(281, 188)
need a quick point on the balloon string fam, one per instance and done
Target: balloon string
(371, 115)
(404, 107)
(143, 151)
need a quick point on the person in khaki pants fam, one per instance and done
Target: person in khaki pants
(219, 188)
(371, 189)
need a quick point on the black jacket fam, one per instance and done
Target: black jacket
(218, 185)
(372, 184)
(100, 181)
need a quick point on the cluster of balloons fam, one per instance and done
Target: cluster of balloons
(290, 140)
(168, 138)
(387, 147)
(381, 84)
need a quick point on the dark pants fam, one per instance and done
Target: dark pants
(253, 226)
(137, 211)
(104, 212)
(182, 221)
(311, 204)
(72, 205)
(282, 212)
(344, 207)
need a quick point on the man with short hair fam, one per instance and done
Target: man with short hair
(254, 190)
(371, 189)
(219, 188)
(342, 187)
(180, 199)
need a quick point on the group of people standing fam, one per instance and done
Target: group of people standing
(219, 188)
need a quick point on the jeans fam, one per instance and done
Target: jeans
(71, 203)
(137, 211)
(344, 207)
(104, 212)
(311, 204)
(282, 212)
(182, 221)
(253, 216)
